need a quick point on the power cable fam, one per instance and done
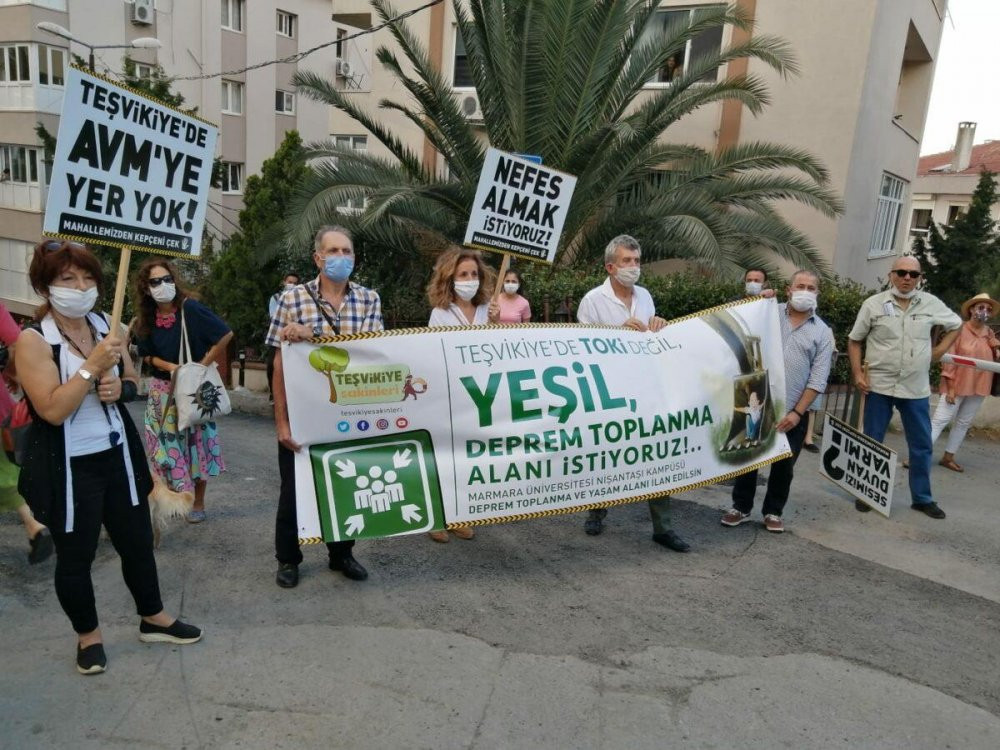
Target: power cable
(305, 53)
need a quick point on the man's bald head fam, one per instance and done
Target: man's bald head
(906, 262)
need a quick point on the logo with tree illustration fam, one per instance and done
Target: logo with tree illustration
(368, 384)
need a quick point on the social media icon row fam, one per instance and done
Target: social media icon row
(363, 425)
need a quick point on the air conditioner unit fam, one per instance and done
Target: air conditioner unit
(142, 12)
(343, 68)
(470, 107)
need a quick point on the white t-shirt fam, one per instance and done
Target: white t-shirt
(601, 306)
(92, 427)
(454, 317)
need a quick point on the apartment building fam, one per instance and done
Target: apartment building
(946, 181)
(197, 39)
(859, 104)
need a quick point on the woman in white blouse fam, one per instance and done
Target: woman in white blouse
(459, 293)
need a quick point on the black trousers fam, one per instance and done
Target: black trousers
(778, 483)
(286, 524)
(101, 495)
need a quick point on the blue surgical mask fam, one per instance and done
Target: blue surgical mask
(338, 267)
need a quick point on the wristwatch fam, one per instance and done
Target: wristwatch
(317, 330)
(85, 374)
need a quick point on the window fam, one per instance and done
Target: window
(232, 15)
(19, 164)
(359, 144)
(955, 213)
(707, 43)
(286, 23)
(51, 62)
(14, 66)
(232, 177)
(920, 222)
(461, 77)
(284, 102)
(890, 203)
(143, 72)
(232, 97)
(339, 46)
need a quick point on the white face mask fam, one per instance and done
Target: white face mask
(510, 288)
(72, 303)
(803, 300)
(903, 295)
(163, 292)
(466, 290)
(288, 287)
(753, 288)
(628, 276)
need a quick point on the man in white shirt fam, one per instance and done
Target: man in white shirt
(620, 302)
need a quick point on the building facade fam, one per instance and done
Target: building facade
(198, 38)
(859, 104)
(945, 182)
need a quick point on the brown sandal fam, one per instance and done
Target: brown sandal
(438, 536)
(950, 464)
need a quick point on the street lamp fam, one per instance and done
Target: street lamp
(143, 42)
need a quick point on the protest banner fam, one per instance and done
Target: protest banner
(420, 429)
(859, 464)
(520, 207)
(129, 171)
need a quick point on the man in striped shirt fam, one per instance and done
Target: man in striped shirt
(329, 305)
(807, 344)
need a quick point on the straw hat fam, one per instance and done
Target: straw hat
(982, 297)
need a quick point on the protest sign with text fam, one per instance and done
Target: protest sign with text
(129, 171)
(408, 431)
(859, 464)
(520, 207)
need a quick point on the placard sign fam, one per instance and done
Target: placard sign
(859, 464)
(129, 171)
(520, 207)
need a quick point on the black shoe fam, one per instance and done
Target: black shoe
(350, 567)
(931, 509)
(287, 576)
(91, 660)
(862, 507)
(175, 632)
(670, 540)
(41, 547)
(811, 447)
(594, 524)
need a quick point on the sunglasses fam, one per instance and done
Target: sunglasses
(52, 245)
(901, 274)
(168, 279)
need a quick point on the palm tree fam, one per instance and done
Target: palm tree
(566, 79)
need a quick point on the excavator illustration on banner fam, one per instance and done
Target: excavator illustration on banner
(753, 408)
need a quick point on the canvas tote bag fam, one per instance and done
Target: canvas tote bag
(198, 392)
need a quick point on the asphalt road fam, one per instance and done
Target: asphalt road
(847, 631)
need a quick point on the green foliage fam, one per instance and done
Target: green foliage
(240, 283)
(964, 259)
(157, 85)
(567, 79)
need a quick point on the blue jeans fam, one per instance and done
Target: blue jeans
(916, 416)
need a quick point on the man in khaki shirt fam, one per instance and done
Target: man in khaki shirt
(895, 326)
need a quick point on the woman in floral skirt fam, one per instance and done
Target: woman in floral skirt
(186, 459)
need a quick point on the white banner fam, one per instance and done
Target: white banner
(520, 207)
(414, 430)
(129, 171)
(859, 464)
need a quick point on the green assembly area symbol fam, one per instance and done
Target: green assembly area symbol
(377, 486)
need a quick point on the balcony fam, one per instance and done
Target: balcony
(22, 197)
(29, 97)
(50, 4)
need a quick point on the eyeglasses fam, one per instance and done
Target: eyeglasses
(52, 245)
(901, 274)
(168, 279)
